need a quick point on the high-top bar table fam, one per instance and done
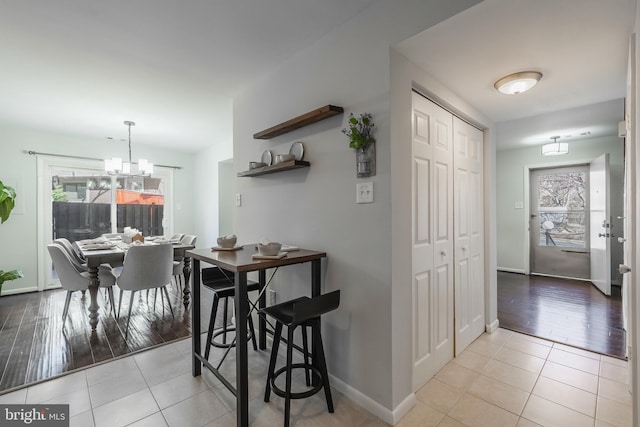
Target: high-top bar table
(240, 262)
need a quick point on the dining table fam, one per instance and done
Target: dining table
(99, 251)
(240, 261)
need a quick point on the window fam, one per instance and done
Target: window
(562, 209)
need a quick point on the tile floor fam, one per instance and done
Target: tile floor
(502, 379)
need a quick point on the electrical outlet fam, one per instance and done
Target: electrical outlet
(238, 199)
(272, 297)
(364, 192)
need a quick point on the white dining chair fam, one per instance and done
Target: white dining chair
(72, 279)
(145, 267)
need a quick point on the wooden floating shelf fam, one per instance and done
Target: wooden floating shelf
(280, 167)
(300, 121)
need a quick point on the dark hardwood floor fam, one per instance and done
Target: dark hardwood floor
(571, 312)
(36, 345)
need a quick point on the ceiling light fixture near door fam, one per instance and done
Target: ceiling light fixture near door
(555, 148)
(115, 165)
(516, 83)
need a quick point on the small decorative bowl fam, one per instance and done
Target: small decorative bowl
(270, 249)
(284, 157)
(253, 165)
(227, 242)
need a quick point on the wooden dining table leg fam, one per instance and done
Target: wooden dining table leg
(316, 279)
(94, 284)
(195, 319)
(262, 302)
(186, 271)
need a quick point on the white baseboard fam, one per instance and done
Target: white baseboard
(492, 327)
(19, 291)
(386, 415)
(512, 270)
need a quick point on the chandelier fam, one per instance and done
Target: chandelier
(115, 165)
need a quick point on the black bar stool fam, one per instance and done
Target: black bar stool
(221, 283)
(304, 312)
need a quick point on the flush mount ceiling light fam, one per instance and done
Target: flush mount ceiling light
(516, 83)
(115, 165)
(555, 148)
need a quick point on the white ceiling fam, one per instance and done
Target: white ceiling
(82, 67)
(580, 46)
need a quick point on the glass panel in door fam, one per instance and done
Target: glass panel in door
(559, 222)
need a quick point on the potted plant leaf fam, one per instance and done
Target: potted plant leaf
(7, 203)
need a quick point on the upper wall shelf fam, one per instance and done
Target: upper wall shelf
(300, 121)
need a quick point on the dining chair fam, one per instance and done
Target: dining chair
(75, 256)
(178, 261)
(177, 236)
(72, 279)
(145, 267)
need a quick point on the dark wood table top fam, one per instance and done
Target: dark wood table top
(242, 260)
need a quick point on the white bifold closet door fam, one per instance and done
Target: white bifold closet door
(468, 231)
(439, 234)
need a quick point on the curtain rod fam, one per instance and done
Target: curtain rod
(35, 153)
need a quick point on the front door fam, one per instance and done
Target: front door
(559, 223)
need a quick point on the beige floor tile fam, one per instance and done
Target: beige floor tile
(177, 389)
(484, 347)
(118, 370)
(503, 395)
(154, 420)
(498, 337)
(511, 375)
(566, 395)
(615, 391)
(161, 364)
(471, 360)
(450, 422)
(520, 360)
(574, 360)
(475, 412)
(573, 377)
(457, 376)
(600, 423)
(550, 414)
(197, 410)
(525, 337)
(528, 346)
(84, 419)
(615, 373)
(578, 351)
(523, 422)
(614, 361)
(66, 384)
(126, 410)
(421, 415)
(14, 397)
(373, 422)
(614, 413)
(117, 387)
(439, 395)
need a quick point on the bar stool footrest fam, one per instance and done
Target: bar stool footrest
(224, 332)
(299, 395)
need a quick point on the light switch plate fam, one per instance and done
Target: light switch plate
(364, 192)
(238, 199)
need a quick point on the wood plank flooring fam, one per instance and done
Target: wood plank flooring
(36, 345)
(571, 312)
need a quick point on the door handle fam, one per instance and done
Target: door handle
(533, 216)
(604, 235)
(623, 269)
(621, 240)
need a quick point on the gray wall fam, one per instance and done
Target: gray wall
(511, 174)
(316, 207)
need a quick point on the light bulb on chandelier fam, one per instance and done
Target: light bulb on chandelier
(115, 165)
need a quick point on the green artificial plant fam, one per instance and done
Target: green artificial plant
(7, 203)
(360, 131)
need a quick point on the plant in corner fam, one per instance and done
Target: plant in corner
(7, 203)
(360, 136)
